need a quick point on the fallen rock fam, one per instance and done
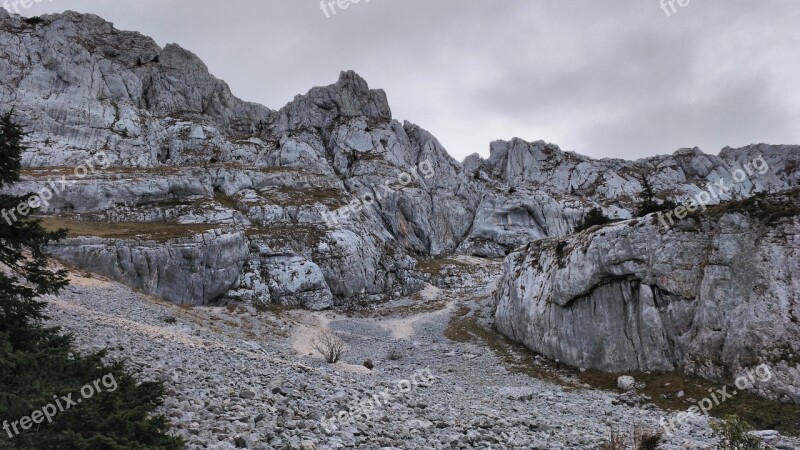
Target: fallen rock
(626, 383)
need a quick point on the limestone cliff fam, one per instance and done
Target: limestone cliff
(335, 199)
(713, 296)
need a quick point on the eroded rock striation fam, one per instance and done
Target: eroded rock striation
(193, 270)
(713, 296)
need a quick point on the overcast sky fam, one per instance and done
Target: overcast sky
(616, 78)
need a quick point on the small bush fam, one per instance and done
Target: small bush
(395, 354)
(329, 346)
(643, 439)
(35, 20)
(732, 435)
(646, 439)
(616, 441)
(593, 218)
(368, 364)
(648, 203)
(560, 248)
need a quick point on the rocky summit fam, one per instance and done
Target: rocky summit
(212, 240)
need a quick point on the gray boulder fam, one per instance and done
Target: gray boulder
(713, 296)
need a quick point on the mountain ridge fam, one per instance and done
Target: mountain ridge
(207, 199)
(171, 132)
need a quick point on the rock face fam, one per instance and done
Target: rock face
(189, 271)
(535, 190)
(333, 200)
(177, 148)
(716, 295)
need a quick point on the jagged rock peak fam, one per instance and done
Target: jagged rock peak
(349, 97)
(84, 57)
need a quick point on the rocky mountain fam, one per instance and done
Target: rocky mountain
(714, 296)
(325, 201)
(172, 185)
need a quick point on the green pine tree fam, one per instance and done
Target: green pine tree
(22, 239)
(38, 362)
(648, 203)
(593, 218)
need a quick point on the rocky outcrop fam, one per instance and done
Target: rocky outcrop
(178, 148)
(534, 190)
(714, 295)
(80, 86)
(192, 271)
(329, 184)
(766, 168)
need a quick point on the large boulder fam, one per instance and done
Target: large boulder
(715, 295)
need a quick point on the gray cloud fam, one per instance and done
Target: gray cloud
(606, 79)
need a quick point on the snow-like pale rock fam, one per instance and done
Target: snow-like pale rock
(236, 379)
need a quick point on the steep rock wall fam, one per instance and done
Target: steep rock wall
(714, 295)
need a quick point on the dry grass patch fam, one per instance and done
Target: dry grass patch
(226, 200)
(285, 197)
(437, 266)
(304, 235)
(158, 231)
(516, 358)
(762, 413)
(37, 172)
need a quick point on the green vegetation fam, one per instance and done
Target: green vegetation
(769, 208)
(35, 20)
(593, 218)
(648, 203)
(562, 252)
(762, 413)
(39, 364)
(732, 435)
